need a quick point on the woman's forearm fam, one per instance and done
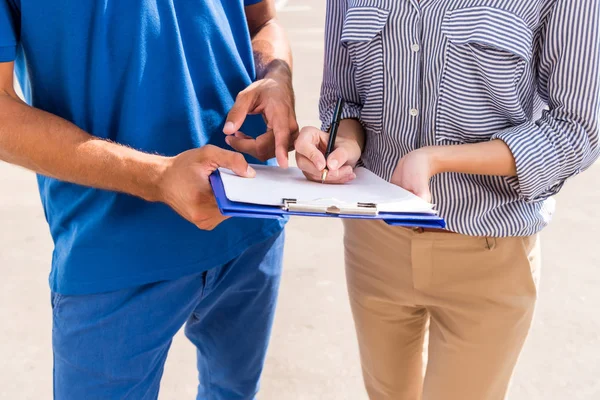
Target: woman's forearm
(486, 158)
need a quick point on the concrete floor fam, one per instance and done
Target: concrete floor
(313, 352)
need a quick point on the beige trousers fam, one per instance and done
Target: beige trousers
(475, 294)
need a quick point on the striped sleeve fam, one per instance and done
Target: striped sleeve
(564, 142)
(8, 36)
(338, 73)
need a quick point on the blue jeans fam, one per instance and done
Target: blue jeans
(114, 345)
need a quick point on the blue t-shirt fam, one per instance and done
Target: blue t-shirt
(158, 76)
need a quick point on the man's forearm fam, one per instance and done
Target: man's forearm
(54, 147)
(486, 158)
(272, 53)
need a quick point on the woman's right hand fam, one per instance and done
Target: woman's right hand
(310, 156)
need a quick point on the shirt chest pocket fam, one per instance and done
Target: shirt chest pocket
(362, 37)
(488, 53)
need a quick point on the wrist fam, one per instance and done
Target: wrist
(354, 152)
(436, 158)
(150, 179)
(353, 130)
(279, 71)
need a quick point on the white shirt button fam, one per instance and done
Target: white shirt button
(415, 47)
(414, 112)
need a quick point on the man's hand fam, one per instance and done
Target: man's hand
(54, 147)
(185, 186)
(272, 97)
(310, 149)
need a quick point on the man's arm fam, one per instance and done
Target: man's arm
(272, 53)
(54, 147)
(271, 95)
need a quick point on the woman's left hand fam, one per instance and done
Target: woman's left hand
(414, 171)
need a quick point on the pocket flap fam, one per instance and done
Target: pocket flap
(362, 24)
(491, 27)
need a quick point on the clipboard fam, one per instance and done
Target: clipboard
(292, 207)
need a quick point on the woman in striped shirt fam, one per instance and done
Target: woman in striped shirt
(486, 108)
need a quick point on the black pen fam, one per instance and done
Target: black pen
(333, 130)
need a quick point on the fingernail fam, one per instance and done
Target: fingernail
(333, 164)
(250, 172)
(229, 127)
(228, 140)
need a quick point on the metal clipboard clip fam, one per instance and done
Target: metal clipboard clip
(367, 209)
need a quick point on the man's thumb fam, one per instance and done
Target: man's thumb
(235, 162)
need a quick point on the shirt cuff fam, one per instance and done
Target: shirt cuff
(350, 111)
(8, 53)
(538, 166)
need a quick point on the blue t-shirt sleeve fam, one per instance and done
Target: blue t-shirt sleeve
(250, 2)
(8, 35)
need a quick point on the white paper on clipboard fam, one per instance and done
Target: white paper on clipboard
(272, 185)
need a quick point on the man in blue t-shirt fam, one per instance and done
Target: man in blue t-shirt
(127, 106)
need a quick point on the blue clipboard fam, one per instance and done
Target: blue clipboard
(237, 209)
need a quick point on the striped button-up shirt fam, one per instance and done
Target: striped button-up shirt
(449, 72)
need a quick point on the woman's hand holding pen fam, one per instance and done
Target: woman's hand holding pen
(311, 146)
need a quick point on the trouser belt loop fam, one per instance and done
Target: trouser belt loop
(490, 243)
